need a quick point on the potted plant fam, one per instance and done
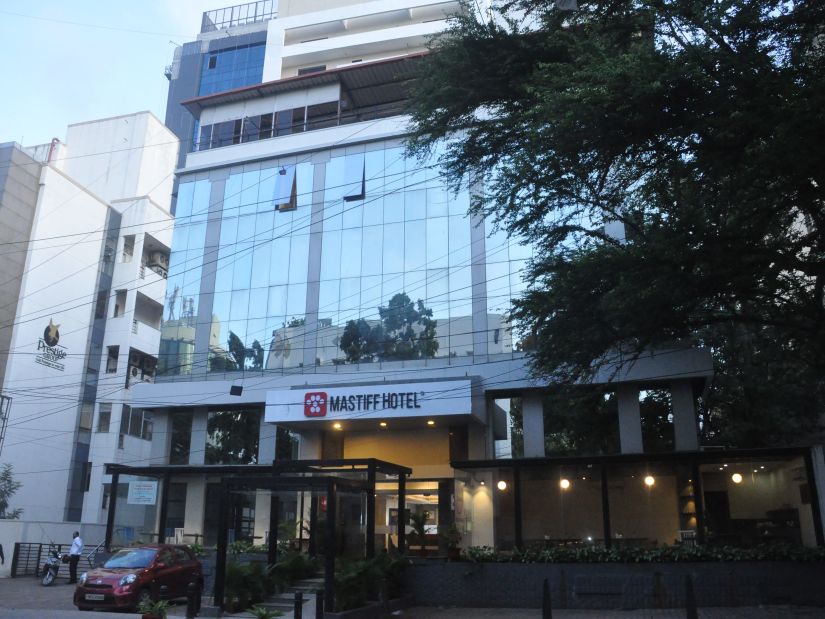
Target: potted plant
(261, 612)
(452, 537)
(154, 610)
(418, 522)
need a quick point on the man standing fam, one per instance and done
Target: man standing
(74, 557)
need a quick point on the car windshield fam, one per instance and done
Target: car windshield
(131, 558)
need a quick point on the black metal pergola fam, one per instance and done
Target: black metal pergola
(327, 477)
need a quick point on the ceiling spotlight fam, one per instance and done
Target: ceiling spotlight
(649, 481)
(336, 425)
(482, 483)
(737, 478)
(502, 485)
(565, 484)
(383, 424)
(430, 422)
(762, 466)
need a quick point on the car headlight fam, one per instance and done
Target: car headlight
(83, 578)
(128, 579)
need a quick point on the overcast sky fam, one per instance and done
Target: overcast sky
(68, 61)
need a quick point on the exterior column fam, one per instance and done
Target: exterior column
(266, 441)
(197, 446)
(630, 419)
(685, 428)
(161, 437)
(532, 423)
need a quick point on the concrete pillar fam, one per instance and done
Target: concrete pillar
(161, 437)
(266, 442)
(818, 462)
(309, 447)
(195, 502)
(685, 427)
(197, 446)
(532, 423)
(630, 419)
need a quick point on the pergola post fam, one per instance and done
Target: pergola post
(517, 506)
(220, 560)
(110, 516)
(313, 525)
(329, 548)
(272, 543)
(370, 550)
(608, 535)
(699, 501)
(164, 508)
(402, 513)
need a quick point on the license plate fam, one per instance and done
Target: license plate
(95, 596)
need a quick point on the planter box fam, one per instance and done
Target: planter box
(615, 585)
(373, 610)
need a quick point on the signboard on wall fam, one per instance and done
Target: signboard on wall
(142, 493)
(384, 400)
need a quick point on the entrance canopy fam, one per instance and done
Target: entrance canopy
(343, 490)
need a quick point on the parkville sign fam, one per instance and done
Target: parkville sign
(370, 401)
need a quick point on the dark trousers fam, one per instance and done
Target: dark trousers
(73, 560)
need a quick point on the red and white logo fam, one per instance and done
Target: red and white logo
(315, 404)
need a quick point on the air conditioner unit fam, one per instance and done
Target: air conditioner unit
(158, 258)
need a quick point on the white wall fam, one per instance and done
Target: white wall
(59, 285)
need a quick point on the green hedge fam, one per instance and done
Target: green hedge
(662, 554)
(359, 581)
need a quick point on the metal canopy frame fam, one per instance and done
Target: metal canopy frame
(280, 476)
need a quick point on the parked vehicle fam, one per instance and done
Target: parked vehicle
(133, 576)
(52, 564)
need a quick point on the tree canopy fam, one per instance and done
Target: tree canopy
(8, 486)
(404, 331)
(664, 158)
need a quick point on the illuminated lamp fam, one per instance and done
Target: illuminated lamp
(649, 481)
(502, 485)
(564, 484)
(736, 478)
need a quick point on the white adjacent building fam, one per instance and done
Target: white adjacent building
(87, 324)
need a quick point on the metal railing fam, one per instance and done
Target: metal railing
(239, 15)
(28, 558)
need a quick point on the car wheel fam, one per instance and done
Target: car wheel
(144, 597)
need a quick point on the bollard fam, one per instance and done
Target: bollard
(690, 599)
(192, 600)
(319, 604)
(546, 605)
(298, 613)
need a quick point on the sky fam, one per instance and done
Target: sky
(69, 61)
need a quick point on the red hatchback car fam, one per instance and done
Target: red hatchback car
(134, 575)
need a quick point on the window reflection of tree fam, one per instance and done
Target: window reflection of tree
(232, 437)
(405, 330)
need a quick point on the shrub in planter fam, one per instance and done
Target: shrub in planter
(153, 610)
(353, 581)
(236, 587)
(663, 554)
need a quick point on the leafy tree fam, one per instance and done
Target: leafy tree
(8, 486)
(665, 159)
(406, 330)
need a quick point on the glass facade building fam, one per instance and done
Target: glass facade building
(315, 254)
(230, 68)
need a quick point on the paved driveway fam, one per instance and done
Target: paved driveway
(26, 598)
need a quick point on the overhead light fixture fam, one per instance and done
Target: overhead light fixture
(502, 485)
(430, 422)
(762, 466)
(564, 484)
(649, 481)
(482, 483)
(336, 425)
(736, 478)
(236, 390)
(383, 424)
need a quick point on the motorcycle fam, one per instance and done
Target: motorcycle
(52, 564)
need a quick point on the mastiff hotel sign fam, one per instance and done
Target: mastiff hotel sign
(376, 402)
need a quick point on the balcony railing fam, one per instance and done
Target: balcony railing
(239, 15)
